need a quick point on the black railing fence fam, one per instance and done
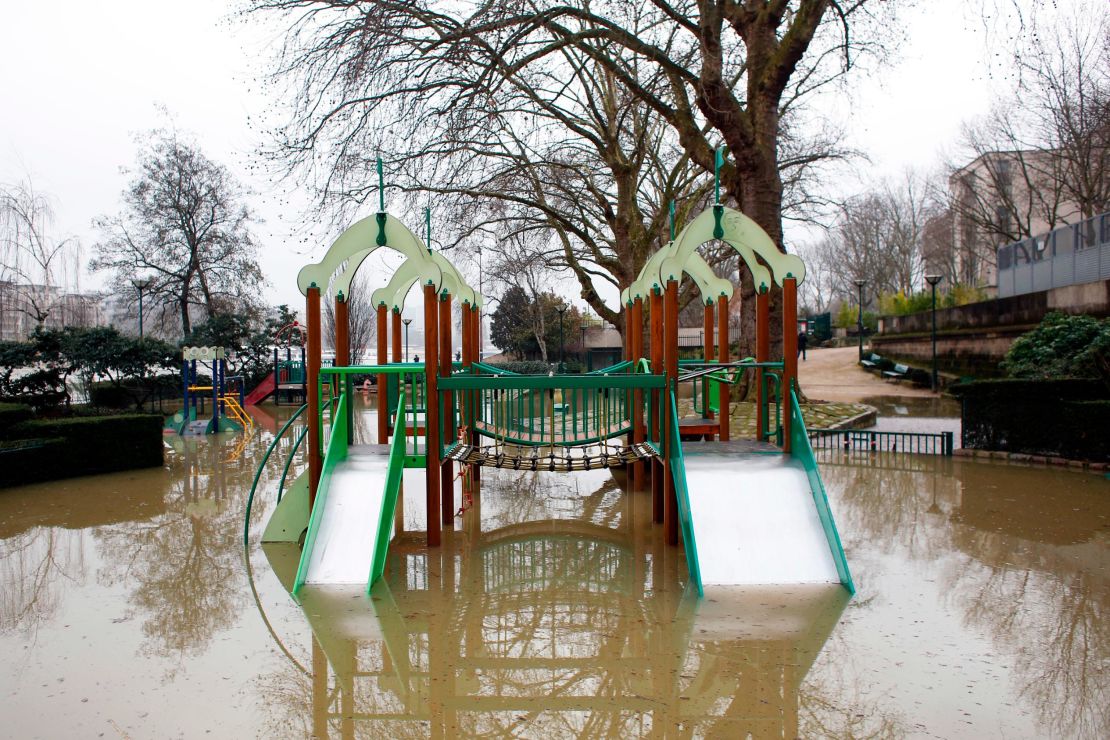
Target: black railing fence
(917, 443)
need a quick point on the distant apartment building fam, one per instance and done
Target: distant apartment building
(997, 198)
(22, 305)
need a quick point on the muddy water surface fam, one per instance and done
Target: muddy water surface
(128, 609)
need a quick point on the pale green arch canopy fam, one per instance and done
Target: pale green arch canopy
(343, 258)
(742, 234)
(347, 253)
(709, 285)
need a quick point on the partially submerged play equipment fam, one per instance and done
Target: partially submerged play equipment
(747, 512)
(225, 392)
(288, 377)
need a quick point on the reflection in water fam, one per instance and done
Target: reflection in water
(540, 625)
(982, 611)
(1022, 554)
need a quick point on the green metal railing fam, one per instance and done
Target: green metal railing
(408, 409)
(803, 452)
(336, 452)
(562, 410)
(262, 467)
(394, 474)
(682, 494)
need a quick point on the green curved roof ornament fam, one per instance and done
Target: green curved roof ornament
(709, 285)
(742, 234)
(347, 252)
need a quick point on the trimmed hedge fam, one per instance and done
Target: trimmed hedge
(50, 449)
(12, 414)
(1062, 418)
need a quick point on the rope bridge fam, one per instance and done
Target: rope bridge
(553, 458)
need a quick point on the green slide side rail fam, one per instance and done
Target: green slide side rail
(393, 478)
(262, 467)
(336, 453)
(802, 451)
(682, 493)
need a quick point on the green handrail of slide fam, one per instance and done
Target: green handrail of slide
(682, 493)
(262, 466)
(803, 452)
(394, 474)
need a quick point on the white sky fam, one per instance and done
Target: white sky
(80, 79)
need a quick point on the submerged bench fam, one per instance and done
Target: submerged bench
(897, 373)
(871, 362)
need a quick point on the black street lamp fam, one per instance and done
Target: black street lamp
(859, 319)
(406, 322)
(141, 285)
(583, 327)
(562, 344)
(932, 280)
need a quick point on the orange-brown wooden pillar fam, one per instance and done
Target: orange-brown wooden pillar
(431, 412)
(383, 359)
(789, 354)
(762, 354)
(707, 334)
(343, 356)
(395, 328)
(446, 467)
(312, 376)
(670, 362)
(657, 471)
(722, 356)
(475, 329)
(637, 341)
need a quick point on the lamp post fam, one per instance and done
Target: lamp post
(406, 322)
(859, 319)
(583, 328)
(562, 344)
(141, 285)
(932, 280)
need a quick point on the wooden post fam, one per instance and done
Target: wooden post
(446, 467)
(383, 379)
(762, 354)
(670, 436)
(656, 306)
(789, 354)
(723, 409)
(475, 329)
(396, 329)
(637, 330)
(707, 332)
(431, 412)
(312, 375)
(343, 357)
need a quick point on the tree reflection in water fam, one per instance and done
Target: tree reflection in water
(1029, 572)
(557, 617)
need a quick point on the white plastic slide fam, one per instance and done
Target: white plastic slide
(755, 521)
(345, 541)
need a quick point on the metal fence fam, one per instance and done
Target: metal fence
(1070, 255)
(920, 443)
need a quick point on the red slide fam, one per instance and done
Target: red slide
(261, 392)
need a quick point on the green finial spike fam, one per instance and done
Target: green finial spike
(672, 220)
(381, 187)
(428, 227)
(718, 159)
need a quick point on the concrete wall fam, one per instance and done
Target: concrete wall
(972, 339)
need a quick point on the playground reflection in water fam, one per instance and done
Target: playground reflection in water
(982, 610)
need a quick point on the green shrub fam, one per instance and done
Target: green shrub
(526, 367)
(1062, 346)
(89, 445)
(12, 414)
(1066, 418)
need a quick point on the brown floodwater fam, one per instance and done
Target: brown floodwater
(128, 609)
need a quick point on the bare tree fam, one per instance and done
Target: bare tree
(361, 317)
(38, 267)
(1041, 158)
(709, 71)
(184, 229)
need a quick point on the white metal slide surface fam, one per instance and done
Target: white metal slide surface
(755, 522)
(345, 542)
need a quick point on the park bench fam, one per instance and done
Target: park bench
(897, 373)
(871, 362)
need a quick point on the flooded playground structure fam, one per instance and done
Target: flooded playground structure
(469, 552)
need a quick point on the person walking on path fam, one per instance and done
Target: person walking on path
(802, 341)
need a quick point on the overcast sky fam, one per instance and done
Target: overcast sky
(81, 79)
